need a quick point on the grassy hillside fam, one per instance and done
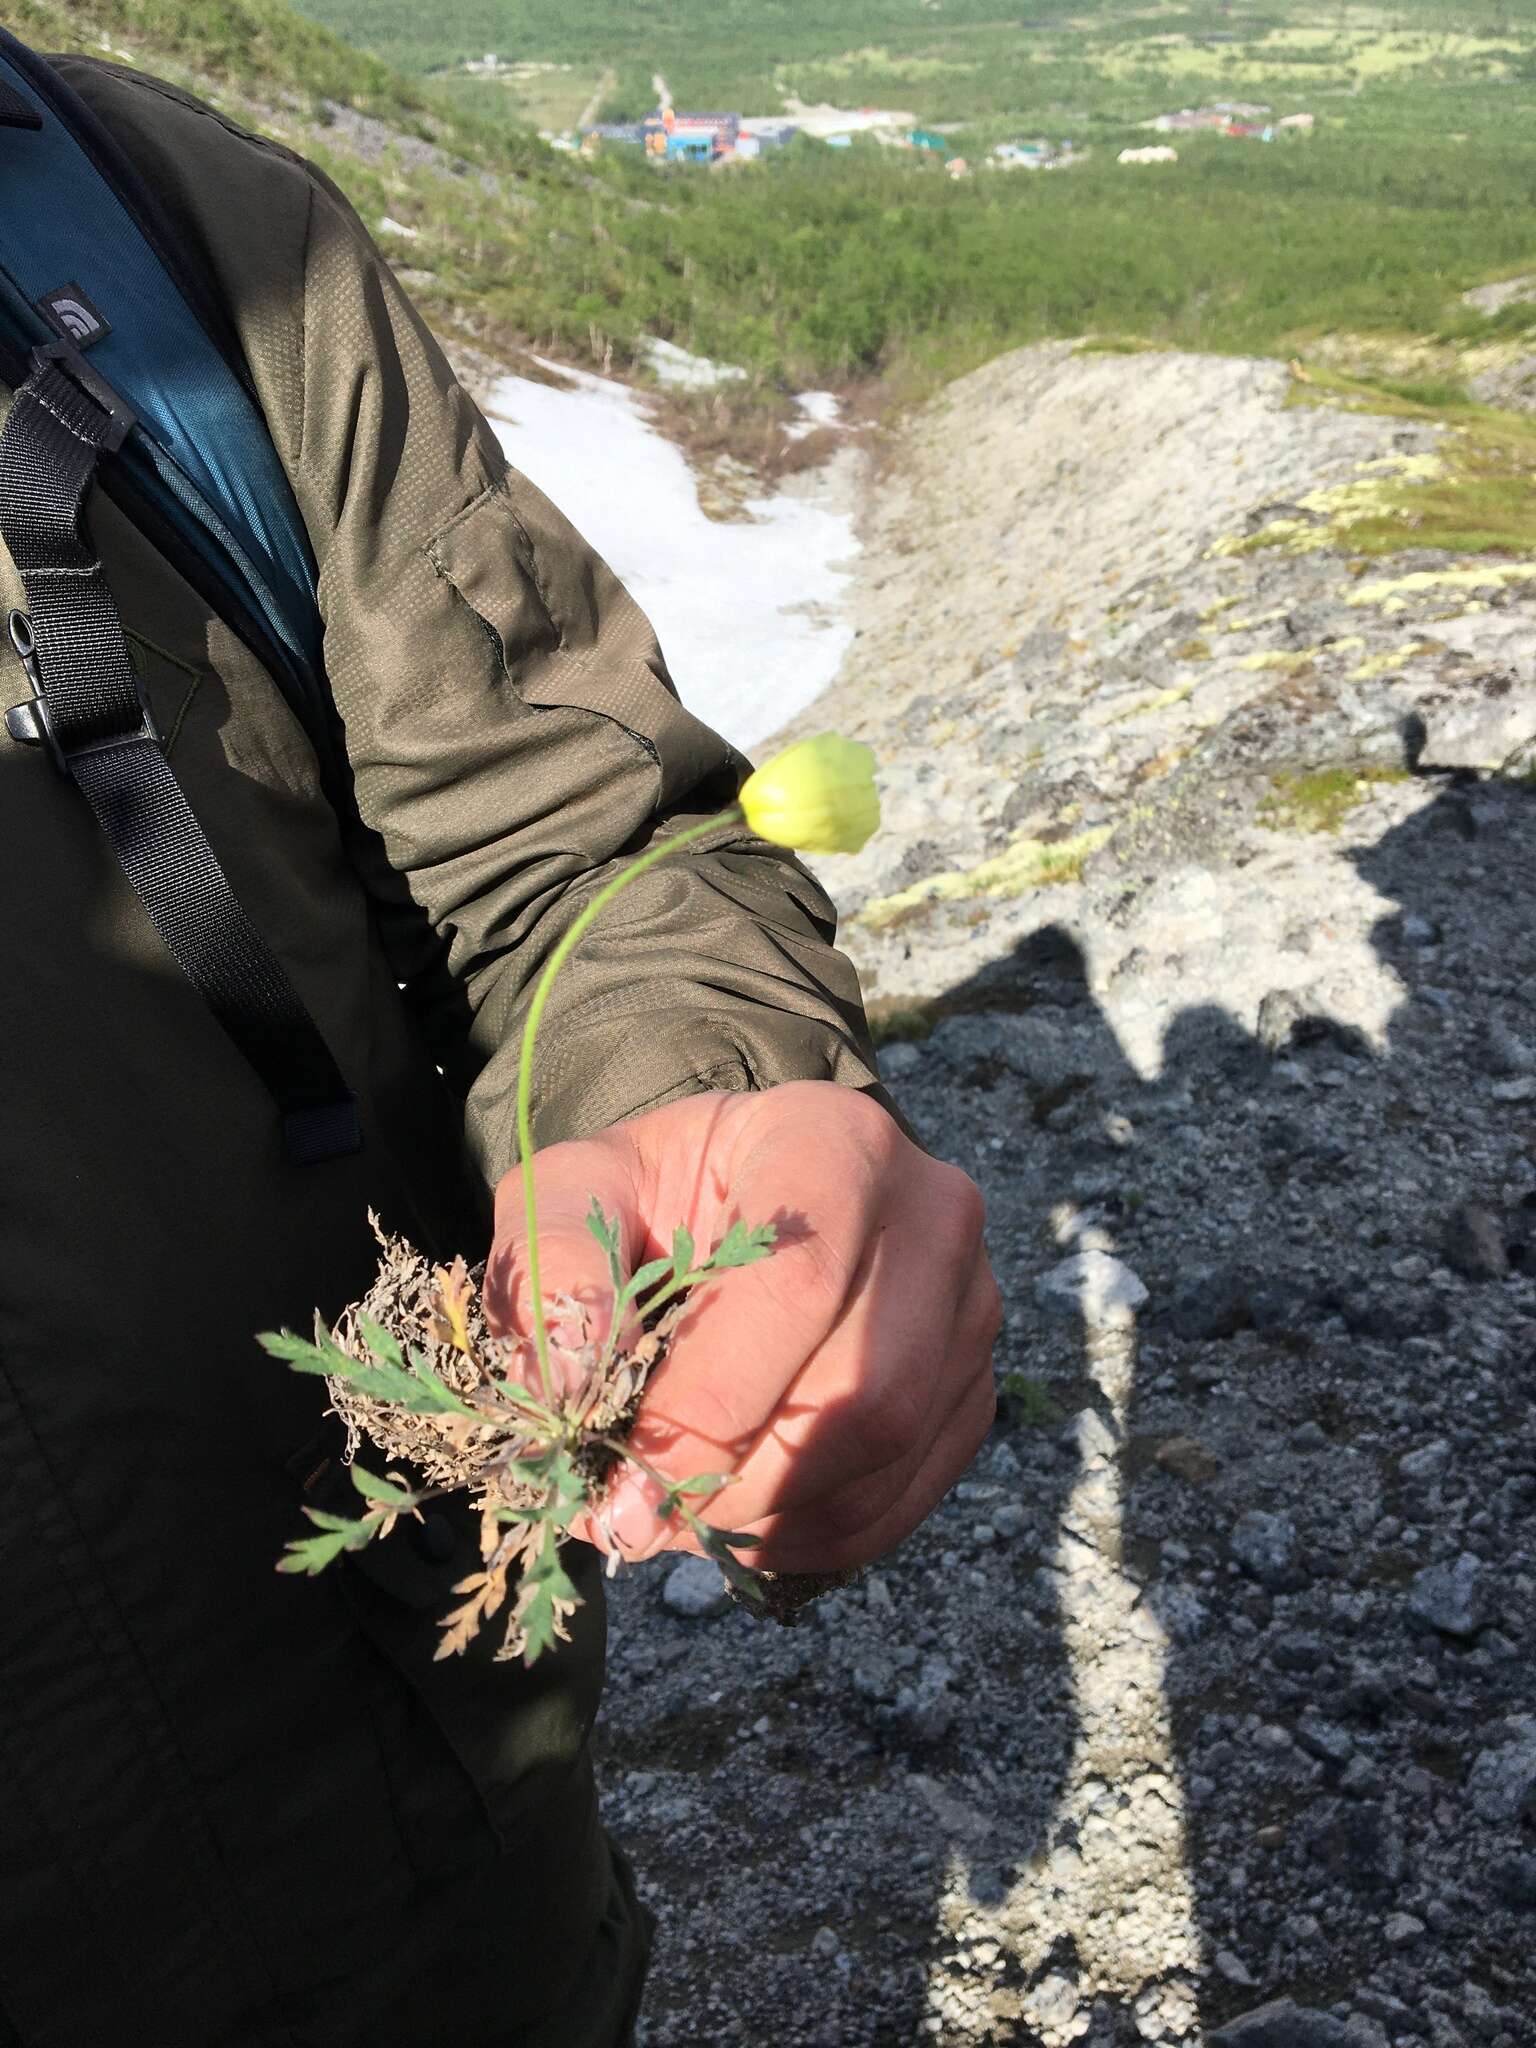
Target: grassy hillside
(865, 265)
(953, 59)
(1417, 182)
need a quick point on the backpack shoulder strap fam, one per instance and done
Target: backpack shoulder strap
(66, 424)
(84, 256)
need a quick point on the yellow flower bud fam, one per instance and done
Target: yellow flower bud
(818, 795)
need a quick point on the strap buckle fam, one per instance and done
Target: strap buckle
(121, 417)
(29, 722)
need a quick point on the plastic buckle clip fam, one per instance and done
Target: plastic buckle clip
(30, 724)
(121, 417)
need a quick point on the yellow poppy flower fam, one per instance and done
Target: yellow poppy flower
(818, 795)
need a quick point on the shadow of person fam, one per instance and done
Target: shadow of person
(1146, 1725)
(1238, 1562)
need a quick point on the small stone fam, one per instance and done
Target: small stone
(1324, 1739)
(1361, 1779)
(1009, 1520)
(1265, 1546)
(1283, 2024)
(824, 1944)
(1093, 1286)
(1052, 2003)
(1419, 931)
(1451, 1597)
(1311, 1436)
(1234, 1969)
(1187, 1458)
(1502, 1781)
(1401, 1930)
(1426, 1464)
(1300, 1653)
(1271, 1837)
(1178, 1610)
(1280, 1013)
(1211, 1304)
(899, 1062)
(1472, 1243)
(1364, 2032)
(874, 1677)
(695, 1589)
(1505, 1051)
(1514, 1879)
(1522, 1089)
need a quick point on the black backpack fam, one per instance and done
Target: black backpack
(127, 374)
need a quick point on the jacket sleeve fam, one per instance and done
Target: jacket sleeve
(514, 737)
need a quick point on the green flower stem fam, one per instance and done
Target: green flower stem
(567, 945)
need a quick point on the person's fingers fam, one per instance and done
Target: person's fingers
(845, 1499)
(567, 1180)
(767, 1491)
(747, 1335)
(810, 1541)
(881, 1384)
(797, 1465)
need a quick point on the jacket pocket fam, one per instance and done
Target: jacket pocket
(567, 631)
(476, 1750)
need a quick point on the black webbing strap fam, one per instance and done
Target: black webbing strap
(91, 711)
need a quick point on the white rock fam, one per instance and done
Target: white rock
(694, 1588)
(1093, 1285)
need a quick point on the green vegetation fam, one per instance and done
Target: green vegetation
(869, 266)
(1475, 493)
(1025, 864)
(1320, 801)
(1027, 1403)
(253, 43)
(1417, 182)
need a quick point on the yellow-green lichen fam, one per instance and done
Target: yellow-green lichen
(1026, 864)
(1162, 700)
(1321, 799)
(1288, 660)
(1393, 593)
(1393, 658)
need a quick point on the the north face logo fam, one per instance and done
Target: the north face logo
(68, 309)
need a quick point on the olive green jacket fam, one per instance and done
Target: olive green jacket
(239, 1809)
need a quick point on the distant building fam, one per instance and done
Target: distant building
(770, 131)
(689, 138)
(624, 133)
(1152, 155)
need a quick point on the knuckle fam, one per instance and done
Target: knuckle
(990, 1312)
(958, 1209)
(886, 1429)
(969, 1207)
(869, 1126)
(846, 1515)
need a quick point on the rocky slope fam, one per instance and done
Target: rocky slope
(1202, 1711)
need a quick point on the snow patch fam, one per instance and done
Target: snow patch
(749, 613)
(680, 371)
(818, 409)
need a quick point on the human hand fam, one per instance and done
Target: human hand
(845, 1380)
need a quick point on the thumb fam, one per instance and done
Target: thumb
(568, 1180)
